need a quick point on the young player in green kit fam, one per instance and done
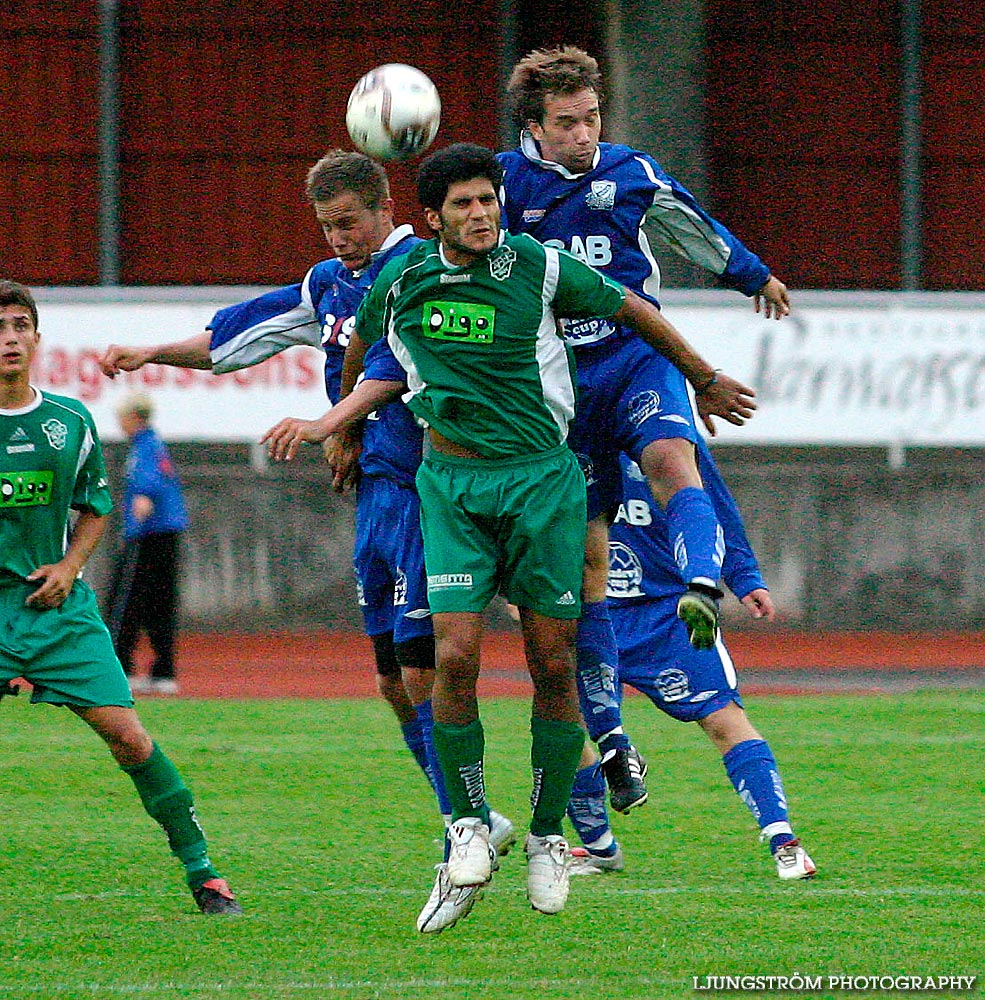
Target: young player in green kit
(51, 633)
(472, 317)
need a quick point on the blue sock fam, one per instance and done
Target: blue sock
(432, 769)
(752, 769)
(596, 659)
(414, 738)
(696, 535)
(587, 812)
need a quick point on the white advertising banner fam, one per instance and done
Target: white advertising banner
(877, 369)
(843, 369)
(189, 405)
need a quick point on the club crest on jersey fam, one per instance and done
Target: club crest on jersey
(501, 262)
(533, 214)
(625, 572)
(673, 684)
(643, 406)
(602, 197)
(56, 433)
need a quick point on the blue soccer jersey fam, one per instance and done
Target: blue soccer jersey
(628, 395)
(599, 217)
(642, 565)
(392, 438)
(318, 312)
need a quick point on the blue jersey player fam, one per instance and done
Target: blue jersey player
(566, 188)
(689, 684)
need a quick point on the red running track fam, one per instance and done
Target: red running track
(340, 665)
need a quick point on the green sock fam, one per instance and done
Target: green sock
(460, 750)
(168, 800)
(555, 753)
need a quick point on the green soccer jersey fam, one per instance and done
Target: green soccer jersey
(485, 364)
(50, 461)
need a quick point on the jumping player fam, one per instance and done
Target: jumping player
(500, 497)
(52, 634)
(569, 190)
(689, 684)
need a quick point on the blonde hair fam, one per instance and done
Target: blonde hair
(137, 403)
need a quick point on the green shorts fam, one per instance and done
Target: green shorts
(66, 653)
(510, 526)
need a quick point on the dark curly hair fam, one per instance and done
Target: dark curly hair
(462, 161)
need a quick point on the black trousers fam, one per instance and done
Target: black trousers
(144, 596)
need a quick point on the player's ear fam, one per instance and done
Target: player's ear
(535, 129)
(433, 219)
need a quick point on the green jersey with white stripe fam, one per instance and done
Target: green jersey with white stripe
(485, 364)
(50, 462)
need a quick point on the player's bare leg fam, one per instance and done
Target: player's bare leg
(167, 800)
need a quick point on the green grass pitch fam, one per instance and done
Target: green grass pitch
(325, 828)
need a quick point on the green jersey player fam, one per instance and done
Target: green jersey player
(472, 316)
(51, 633)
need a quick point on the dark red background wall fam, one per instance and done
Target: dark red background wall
(804, 137)
(226, 105)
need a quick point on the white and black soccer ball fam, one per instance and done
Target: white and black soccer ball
(393, 112)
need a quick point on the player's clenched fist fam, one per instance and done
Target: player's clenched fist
(116, 359)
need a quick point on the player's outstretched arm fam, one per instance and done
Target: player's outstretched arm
(775, 302)
(190, 353)
(716, 394)
(285, 437)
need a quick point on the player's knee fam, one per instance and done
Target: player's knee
(670, 465)
(388, 686)
(129, 743)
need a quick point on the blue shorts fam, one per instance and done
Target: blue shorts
(628, 397)
(389, 560)
(656, 658)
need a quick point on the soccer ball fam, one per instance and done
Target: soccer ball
(393, 112)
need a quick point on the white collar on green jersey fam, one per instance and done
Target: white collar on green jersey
(455, 267)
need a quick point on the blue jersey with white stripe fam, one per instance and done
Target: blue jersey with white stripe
(599, 217)
(641, 560)
(319, 311)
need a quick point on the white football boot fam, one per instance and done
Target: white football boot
(447, 903)
(793, 862)
(469, 853)
(547, 872)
